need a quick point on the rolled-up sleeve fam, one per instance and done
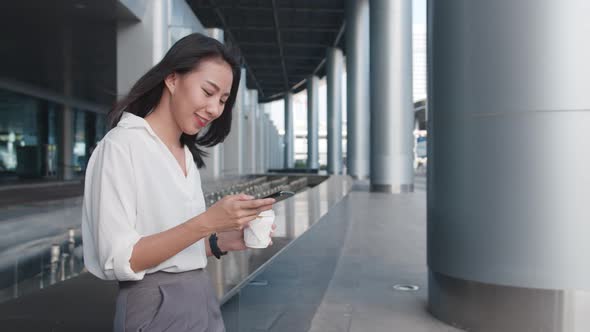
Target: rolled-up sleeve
(110, 207)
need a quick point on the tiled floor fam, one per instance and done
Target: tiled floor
(385, 246)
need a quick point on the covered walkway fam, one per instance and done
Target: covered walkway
(340, 275)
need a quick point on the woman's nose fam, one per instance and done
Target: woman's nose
(213, 111)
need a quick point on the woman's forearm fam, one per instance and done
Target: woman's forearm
(230, 213)
(152, 250)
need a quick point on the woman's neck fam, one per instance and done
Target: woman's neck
(164, 125)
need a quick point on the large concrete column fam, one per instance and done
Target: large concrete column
(279, 149)
(289, 134)
(272, 144)
(66, 116)
(508, 184)
(141, 45)
(250, 148)
(266, 142)
(358, 88)
(282, 150)
(313, 125)
(216, 33)
(214, 160)
(233, 148)
(261, 138)
(392, 109)
(334, 63)
(271, 147)
(267, 162)
(90, 119)
(274, 147)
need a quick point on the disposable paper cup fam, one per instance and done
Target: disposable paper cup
(257, 234)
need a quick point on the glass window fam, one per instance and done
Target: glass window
(79, 152)
(18, 128)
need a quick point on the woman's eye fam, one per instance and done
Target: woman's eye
(222, 102)
(207, 93)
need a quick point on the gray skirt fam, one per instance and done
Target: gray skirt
(165, 301)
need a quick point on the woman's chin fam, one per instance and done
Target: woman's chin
(192, 131)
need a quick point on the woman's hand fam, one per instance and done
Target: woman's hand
(234, 212)
(234, 240)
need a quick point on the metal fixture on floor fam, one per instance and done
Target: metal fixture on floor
(258, 283)
(406, 288)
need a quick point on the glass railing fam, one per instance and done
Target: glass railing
(40, 264)
(52, 252)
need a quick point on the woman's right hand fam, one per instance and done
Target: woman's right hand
(234, 212)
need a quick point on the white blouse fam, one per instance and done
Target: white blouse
(134, 187)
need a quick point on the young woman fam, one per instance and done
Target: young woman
(144, 218)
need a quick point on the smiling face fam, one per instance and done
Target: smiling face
(199, 96)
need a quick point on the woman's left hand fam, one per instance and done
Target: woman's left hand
(234, 240)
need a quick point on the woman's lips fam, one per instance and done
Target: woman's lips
(202, 122)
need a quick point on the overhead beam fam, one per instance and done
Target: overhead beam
(269, 79)
(308, 45)
(274, 79)
(290, 29)
(279, 42)
(230, 35)
(339, 35)
(273, 68)
(286, 56)
(283, 9)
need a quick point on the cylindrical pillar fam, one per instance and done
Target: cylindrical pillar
(268, 136)
(66, 143)
(271, 145)
(334, 68)
(280, 146)
(216, 33)
(214, 162)
(233, 149)
(251, 150)
(273, 148)
(66, 123)
(313, 118)
(89, 133)
(282, 150)
(262, 138)
(358, 88)
(289, 134)
(508, 184)
(392, 109)
(141, 44)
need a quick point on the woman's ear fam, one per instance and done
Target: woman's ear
(170, 82)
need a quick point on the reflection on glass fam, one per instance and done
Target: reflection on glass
(36, 268)
(18, 130)
(29, 135)
(40, 267)
(79, 149)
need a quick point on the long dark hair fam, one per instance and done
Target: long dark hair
(184, 56)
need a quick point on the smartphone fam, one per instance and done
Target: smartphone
(280, 195)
